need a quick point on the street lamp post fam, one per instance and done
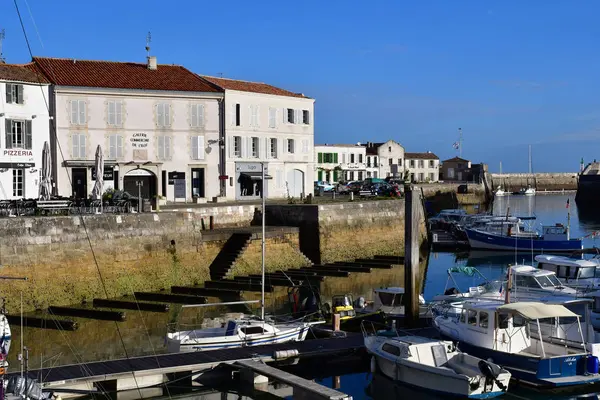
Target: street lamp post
(139, 184)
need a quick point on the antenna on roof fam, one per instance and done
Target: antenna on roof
(148, 40)
(220, 74)
(2, 37)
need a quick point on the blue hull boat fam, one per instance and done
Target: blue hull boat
(491, 241)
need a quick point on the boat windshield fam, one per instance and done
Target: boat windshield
(546, 281)
(586, 272)
(493, 286)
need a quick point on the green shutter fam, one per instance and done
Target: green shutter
(335, 157)
(320, 159)
(320, 176)
(335, 174)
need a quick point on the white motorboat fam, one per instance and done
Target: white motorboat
(529, 191)
(528, 284)
(436, 366)
(237, 333)
(500, 192)
(247, 331)
(389, 300)
(505, 334)
(575, 272)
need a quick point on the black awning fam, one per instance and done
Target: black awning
(255, 176)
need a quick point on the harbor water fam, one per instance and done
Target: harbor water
(143, 333)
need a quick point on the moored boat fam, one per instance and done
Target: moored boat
(436, 366)
(237, 333)
(554, 238)
(502, 333)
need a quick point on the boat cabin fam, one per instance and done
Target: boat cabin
(507, 328)
(529, 280)
(569, 270)
(555, 232)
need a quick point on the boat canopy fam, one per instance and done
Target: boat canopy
(535, 310)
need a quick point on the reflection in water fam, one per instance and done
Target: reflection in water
(383, 388)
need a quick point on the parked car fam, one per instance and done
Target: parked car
(355, 186)
(342, 188)
(327, 187)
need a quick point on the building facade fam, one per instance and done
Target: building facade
(158, 127)
(24, 127)
(422, 167)
(340, 162)
(385, 159)
(271, 126)
(456, 169)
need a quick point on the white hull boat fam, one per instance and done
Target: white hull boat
(436, 366)
(237, 333)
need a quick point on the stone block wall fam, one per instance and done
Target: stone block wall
(345, 231)
(539, 181)
(134, 252)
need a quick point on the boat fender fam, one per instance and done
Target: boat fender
(373, 365)
(283, 354)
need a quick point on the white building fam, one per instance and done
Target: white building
(340, 162)
(158, 126)
(24, 128)
(385, 159)
(265, 124)
(422, 167)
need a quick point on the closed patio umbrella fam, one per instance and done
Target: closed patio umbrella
(99, 185)
(46, 174)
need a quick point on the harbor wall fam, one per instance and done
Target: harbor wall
(345, 231)
(134, 252)
(540, 181)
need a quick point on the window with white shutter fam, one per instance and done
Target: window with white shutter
(305, 146)
(115, 113)
(273, 148)
(14, 93)
(163, 115)
(197, 115)
(254, 116)
(75, 143)
(272, 117)
(197, 147)
(255, 147)
(290, 115)
(78, 112)
(164, 147)
(237, 146)
(115, 146)
(305, 117)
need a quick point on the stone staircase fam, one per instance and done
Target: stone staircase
(231, 251)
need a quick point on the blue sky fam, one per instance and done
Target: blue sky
(509, 73)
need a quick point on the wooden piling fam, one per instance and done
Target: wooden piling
(211, 222)
(335, 322)
(412, 203)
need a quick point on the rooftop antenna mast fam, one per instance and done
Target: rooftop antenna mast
(2, 37)
(148, 40)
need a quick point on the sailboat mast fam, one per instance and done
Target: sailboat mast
(262, 289)
(529, 159)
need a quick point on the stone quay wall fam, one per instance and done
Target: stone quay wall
(345, 231)
(134, 252)
(539, 181)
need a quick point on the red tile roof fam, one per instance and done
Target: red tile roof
(21, 73)
(121, 75)
(421, 156)
(255, 87)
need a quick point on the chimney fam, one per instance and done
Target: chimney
(152, 63)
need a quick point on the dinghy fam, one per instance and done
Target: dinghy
(436, 366)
